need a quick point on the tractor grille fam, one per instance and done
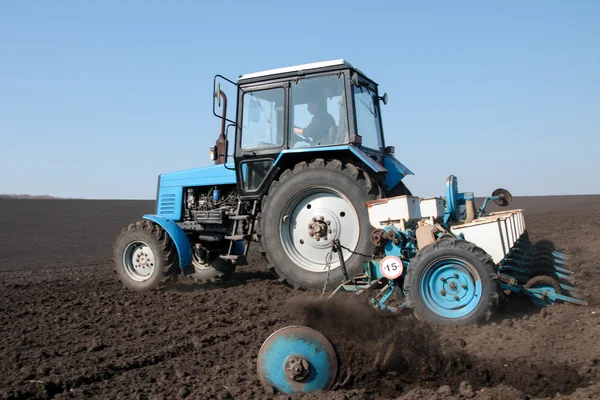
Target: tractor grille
(167, 204)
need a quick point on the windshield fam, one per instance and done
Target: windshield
(367, 117)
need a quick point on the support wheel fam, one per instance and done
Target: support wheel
(144, 257)
(308, 208)
(452, 282)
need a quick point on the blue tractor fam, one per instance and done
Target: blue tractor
(308, 153)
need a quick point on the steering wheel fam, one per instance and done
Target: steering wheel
(301, 138)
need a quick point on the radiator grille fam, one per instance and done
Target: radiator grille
(167, 204)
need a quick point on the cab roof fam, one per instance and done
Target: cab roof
(298, 70)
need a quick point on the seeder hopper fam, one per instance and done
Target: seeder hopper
(444, 259)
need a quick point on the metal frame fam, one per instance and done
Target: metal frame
(258, 154)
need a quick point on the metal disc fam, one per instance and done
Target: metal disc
(297, 359)
(506, 197)
(546, 283)
(452, 206)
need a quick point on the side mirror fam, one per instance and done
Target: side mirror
(217, 94)
(390, 149)
(384, 98)
(214, 153)
(254, 111)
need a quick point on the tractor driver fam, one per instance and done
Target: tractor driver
(319, 126)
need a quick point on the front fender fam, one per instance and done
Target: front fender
(396, 171)
(182, 243)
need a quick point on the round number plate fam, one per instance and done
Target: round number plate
(391, 267)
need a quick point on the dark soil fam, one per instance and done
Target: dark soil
(68, 329)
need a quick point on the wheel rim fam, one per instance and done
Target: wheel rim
(326, 213)
(199, 263)
(451, 287)
(139, 261)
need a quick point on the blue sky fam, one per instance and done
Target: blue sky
(98, 98)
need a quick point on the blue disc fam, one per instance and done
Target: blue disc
(289, 347)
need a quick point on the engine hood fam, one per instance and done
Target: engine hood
(220, 174)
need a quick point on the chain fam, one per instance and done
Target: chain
(328, 258)
(355, 252)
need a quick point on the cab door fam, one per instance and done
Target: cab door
(261, 136)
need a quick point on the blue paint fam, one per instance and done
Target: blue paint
(169, 202)
(171, 184)
(396, 171)
(389, 247)
(182, 244)
(386, 296)
(454, 199)
(364, 157)
(466, 286)
(204, 176)
(285, 346)
(539, 299)
(239, 247)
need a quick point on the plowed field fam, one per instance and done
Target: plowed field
(68, 329)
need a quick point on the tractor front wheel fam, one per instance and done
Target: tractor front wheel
(144, 257)
(308, 208)
(452, 282)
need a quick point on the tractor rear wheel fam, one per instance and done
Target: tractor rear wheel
(305, 210)
(452, 282)
(144, 257)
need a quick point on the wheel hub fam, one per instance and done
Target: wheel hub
(319, 228)
(454, 286)
(139, 261)
(296, 368)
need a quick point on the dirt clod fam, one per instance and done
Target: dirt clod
(466, 390)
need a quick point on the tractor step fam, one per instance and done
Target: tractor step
(237, 237)
(239, 217)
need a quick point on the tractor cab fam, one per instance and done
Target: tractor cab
(318, 107)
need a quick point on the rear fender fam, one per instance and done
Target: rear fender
(395, 171)
(182, 243)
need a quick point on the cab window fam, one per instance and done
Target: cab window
(367, 116)
(262, 120)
